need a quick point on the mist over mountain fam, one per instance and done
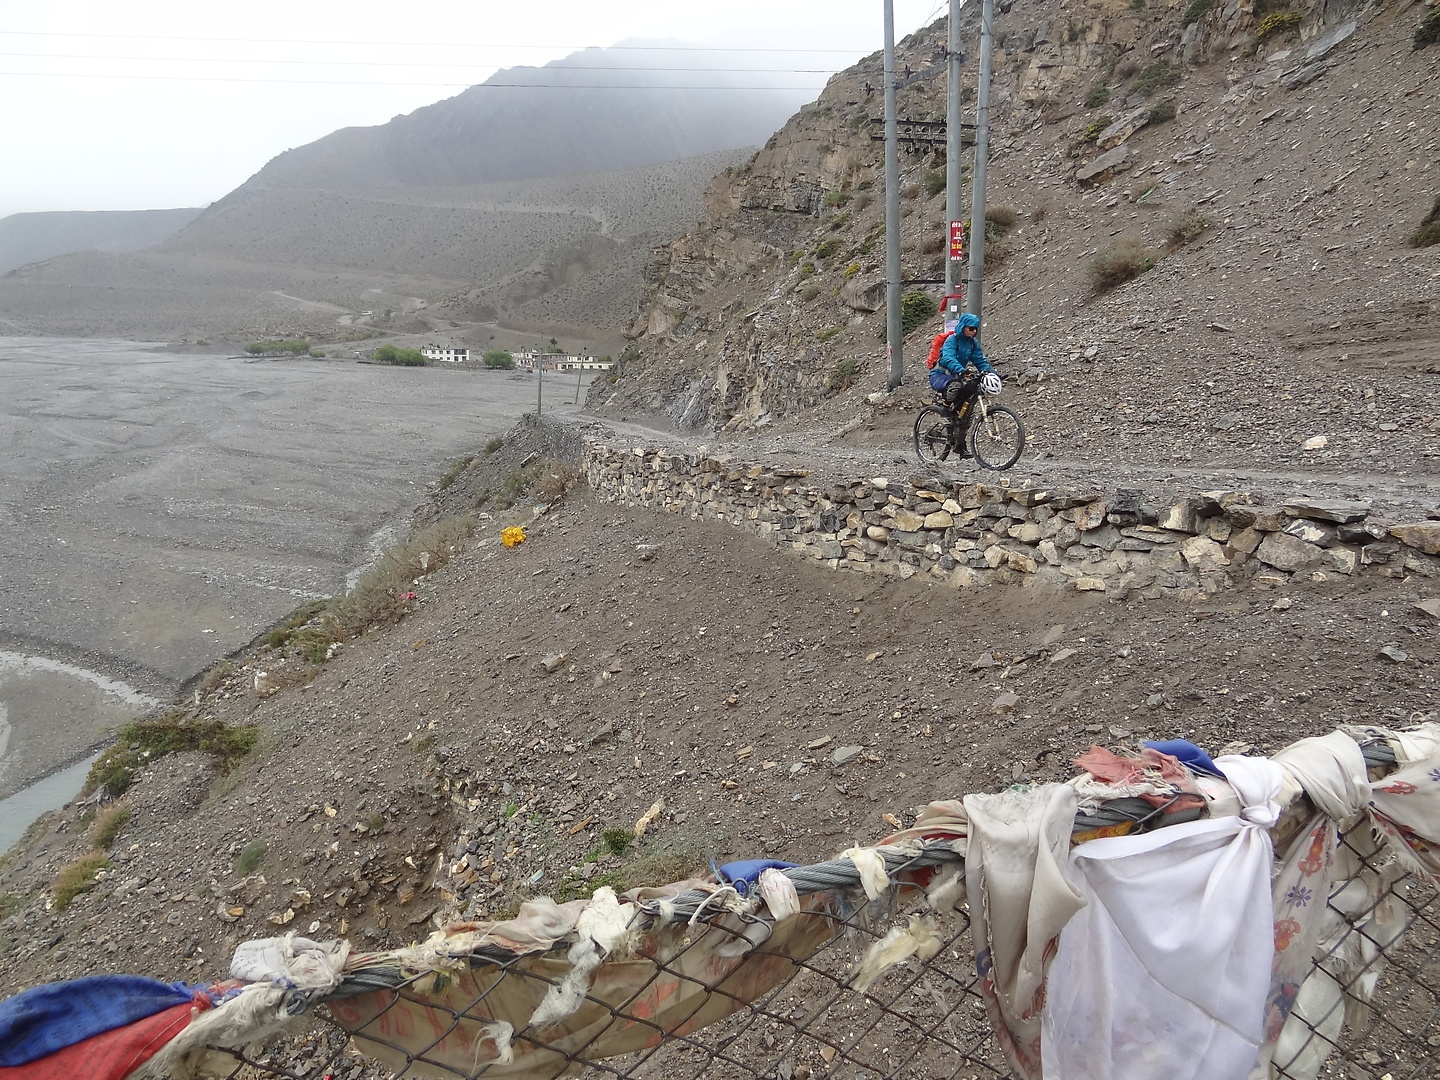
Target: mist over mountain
(27, 238)
(597, 110)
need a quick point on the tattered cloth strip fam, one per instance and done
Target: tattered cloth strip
(1164, 971)
(460, 1016)
(1020, 897)
(43, 1019)
(1159, 779)
(111, 1055)
(1331, 772)
(1399, 832)
(252, 1015)
(1406, 806)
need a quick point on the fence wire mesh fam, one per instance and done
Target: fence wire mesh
(729, 998)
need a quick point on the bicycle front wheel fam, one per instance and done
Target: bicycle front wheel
(932, 435)
(998, 438)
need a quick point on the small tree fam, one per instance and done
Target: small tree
(499, 359)
(385, 354)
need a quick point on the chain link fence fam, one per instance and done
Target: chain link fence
(710, 993)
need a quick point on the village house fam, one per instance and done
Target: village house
(445, 353)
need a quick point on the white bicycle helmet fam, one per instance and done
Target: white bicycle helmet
(990, 383)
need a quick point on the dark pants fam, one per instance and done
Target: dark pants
(959, 392)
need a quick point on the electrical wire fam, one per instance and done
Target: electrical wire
(398, 82)
(427, 44)
(404, 63)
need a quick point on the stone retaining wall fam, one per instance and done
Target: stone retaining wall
(969, 533)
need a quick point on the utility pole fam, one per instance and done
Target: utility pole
(982, 154)
(892, 210)
(953, 144)
(539, 384)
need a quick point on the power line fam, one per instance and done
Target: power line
(373, 82)
(425, 44)
(403, 63)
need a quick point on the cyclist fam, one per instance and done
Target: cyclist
(951, 378)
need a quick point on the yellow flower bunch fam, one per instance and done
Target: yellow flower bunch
(514, 536)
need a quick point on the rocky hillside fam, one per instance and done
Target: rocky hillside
(532, 698)
(1257, 169)
(562, 255)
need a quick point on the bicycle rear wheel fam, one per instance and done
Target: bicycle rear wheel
(932, 435)
(998, 438)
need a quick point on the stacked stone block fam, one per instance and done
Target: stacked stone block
(1123, 542)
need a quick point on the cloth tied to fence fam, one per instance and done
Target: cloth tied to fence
(44, 1019)
(1174, 937)
(1090, 938)
(669, 981)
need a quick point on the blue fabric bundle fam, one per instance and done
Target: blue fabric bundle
(1187, 753)
(43, 1019)
(745, 872)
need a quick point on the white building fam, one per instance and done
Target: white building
(560, 362)
(445, 353)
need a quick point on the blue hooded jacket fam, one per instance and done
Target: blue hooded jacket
(960, 351)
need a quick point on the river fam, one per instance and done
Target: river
(159, 509)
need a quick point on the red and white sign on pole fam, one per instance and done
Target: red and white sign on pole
(957, 240)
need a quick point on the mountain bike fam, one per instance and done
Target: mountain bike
(996, 437)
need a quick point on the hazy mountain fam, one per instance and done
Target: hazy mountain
(27, 238)
(593, 111)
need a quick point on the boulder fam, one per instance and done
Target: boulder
(1288, 553)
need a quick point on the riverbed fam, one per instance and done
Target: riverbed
(160, 509)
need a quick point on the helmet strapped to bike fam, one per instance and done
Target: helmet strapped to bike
(990, 383)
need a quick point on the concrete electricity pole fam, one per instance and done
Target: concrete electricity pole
(892, 210)
(953, 143)
(982, 153)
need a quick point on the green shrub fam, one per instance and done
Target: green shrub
(826, 248)
(916, 309)
(1158, 74)
(1097, 97)
(498, 359)
(842, 375)
(1197, 10)
(270, 348)
(251, 856)
(1276, 23)
(1428, 32)
(1161, 113)
(378, 598)
(851, 270)
(618, 841)
(389, 354)
(935, 182)
(837, 198)
(108, 825)
(1096, 126)
(1429, 231)
(78, 877)
(1186, 228)
(453, 473)
(493, 443)
(999, 220)
(1118, 264)
(143, 741)
(823, 336)
(807, 270)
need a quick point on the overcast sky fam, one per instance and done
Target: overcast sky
(154, 104)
